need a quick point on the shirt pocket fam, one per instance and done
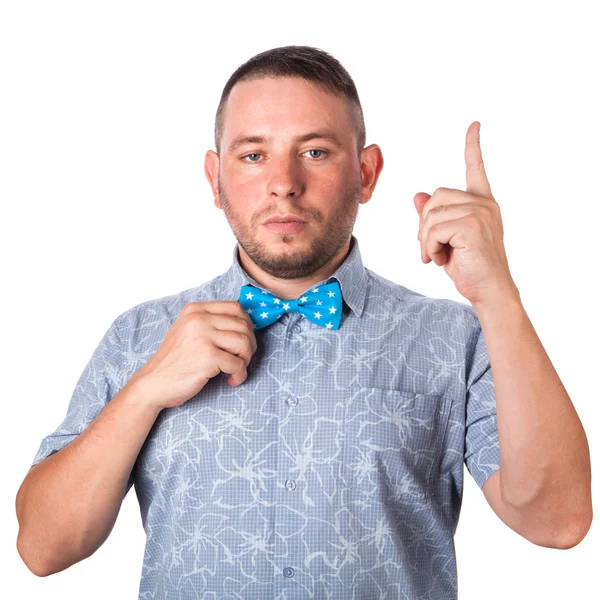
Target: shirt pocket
(393, 443)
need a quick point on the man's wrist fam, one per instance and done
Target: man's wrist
(137, 393)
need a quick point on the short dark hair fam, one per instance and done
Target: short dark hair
(312, 64)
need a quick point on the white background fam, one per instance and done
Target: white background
(106, 112)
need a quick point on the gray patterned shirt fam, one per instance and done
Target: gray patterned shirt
(334, 471)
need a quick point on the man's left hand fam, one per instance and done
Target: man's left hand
(463, 232)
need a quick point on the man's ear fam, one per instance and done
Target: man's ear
(371, 165)
(211, 170)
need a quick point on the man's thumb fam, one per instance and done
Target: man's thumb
(420, 199)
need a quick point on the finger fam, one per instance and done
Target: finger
(230, 364)
(222, 322)
(477, 181)
(225, 307)
(234, 343)
(440, 235)
(440, 214)
(442, 197)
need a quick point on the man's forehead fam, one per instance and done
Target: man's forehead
(281, 110)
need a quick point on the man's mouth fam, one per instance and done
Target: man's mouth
(285, 226)
(284, 219)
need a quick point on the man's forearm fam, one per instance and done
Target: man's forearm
(68, 503)
(544, 454)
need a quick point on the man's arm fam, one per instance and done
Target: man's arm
(67, 504)
(539, 532)
(543, 486)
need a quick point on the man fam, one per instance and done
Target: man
(297, 426)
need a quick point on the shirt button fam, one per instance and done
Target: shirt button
(292, 400)
(289, 572)
(290, 484)
(296, 328)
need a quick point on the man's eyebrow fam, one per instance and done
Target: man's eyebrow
(322, 134)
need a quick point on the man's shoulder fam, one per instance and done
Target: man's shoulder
(166, 309)
(409, 299)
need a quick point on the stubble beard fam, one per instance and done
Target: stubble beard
(301, 263)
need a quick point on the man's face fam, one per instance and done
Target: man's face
(316, 180)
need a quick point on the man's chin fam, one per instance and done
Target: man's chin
(285, 242)
(278, 259)
(269, 237)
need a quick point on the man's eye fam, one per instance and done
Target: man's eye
(258, 154)
(315, 150)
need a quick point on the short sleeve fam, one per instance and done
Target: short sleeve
(99, 382)
(482, 449)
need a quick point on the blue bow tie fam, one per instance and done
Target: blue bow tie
(321, 305)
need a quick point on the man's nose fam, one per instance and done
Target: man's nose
(285, 178)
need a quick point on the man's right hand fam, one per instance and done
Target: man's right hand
(206, 339)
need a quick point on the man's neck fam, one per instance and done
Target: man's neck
(287, 289)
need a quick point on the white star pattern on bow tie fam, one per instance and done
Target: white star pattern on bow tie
(275, 307)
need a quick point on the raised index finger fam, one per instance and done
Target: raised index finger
(477, 181)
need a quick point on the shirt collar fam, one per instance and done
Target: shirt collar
(351, 276)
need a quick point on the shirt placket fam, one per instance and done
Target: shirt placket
(290, 578)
